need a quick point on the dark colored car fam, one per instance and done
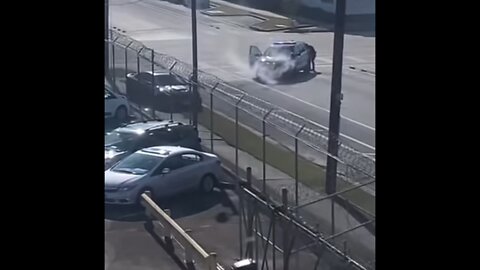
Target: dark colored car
(169, 94)
(132, 137)
(280, 59)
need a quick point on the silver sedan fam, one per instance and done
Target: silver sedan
(162, 170)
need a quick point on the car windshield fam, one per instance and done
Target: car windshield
(279, 51)
(137, 163)
(121, 141)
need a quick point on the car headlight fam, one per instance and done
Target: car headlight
(126, 188)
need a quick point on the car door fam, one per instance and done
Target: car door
(301, 56)
(254, 55)
(193, 170)
(187, 136)
(304, 56)
(166, 184)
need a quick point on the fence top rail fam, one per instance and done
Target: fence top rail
(176, 230)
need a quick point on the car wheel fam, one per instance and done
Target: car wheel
(207, 184)
(121, 114)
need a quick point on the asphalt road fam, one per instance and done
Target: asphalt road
(223, 51)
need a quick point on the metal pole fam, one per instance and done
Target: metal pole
(113, 64)
(126, 60)
(236, 139)
(249, 229)
(107, 59)
(335, 97)
(264, 159)
(138, 61)
(194, 61)
(153, 83)
(286, 232)
(296, 171)
(211, 120)
(296, 164)
(236, 134)
(240, 218)
(274, 264)
(332, 211)
(264, 154)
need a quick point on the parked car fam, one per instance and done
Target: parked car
(116, 106)
(169, 94)
(164, 171)
(131, 137)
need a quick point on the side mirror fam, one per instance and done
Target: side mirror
(166, 170)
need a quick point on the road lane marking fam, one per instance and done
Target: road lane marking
(293, 97)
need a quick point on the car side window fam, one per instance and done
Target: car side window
(190, 159)
(146, 141)
(166, 136)
(173, 163)
(144, 77)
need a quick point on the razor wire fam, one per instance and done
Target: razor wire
(357, 165)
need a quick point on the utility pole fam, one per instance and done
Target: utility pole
(335, 96)
(194, 82)
(107, 60)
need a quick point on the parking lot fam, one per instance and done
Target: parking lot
(211, 219)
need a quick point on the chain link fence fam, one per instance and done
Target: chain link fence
(354, 166)
(289, 142)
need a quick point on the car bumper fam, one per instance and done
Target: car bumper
(120, 198)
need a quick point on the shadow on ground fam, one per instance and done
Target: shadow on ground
(183, 205)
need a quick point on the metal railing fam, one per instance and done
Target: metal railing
(171, 231)
(273, 234)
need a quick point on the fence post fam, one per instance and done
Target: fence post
(296, 164)
(249, 230)
(211, 115)
(138, 60)
(126, 59)
(286, 236)
(264, 154)
(213, 261)
(153, 84)
(113, 63)
(236, 134)
(333, 216)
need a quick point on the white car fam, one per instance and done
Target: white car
(116, 106)
(162, 170)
